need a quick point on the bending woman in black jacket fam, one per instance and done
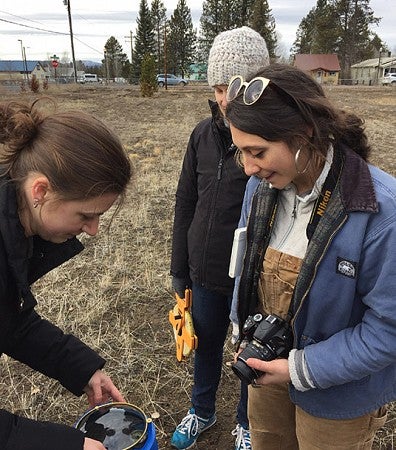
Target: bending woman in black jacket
(59, 172)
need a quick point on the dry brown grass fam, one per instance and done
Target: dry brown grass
(116, 295)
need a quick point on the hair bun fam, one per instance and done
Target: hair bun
(18, 125)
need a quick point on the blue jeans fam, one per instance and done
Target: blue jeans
(210, 311)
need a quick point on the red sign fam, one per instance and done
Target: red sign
(54, 63)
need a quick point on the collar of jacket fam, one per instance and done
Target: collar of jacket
(353, 193)
(28, 258)
(357, 188)
(218, 117)
(214, 109)
(220, 129)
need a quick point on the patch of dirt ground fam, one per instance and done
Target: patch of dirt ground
(116, 295)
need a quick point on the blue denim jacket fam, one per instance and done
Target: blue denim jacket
(345, 319)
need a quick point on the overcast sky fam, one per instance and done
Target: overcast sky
(94, 22)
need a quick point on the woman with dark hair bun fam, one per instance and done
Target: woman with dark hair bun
(59, 172)
(319, 264)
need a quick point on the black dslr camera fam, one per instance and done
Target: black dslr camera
(269, 337)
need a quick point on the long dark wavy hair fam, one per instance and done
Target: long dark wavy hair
(292, 107)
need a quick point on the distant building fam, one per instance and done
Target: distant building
(16, 71)
(371, 70)
(324, 68)
(198, 72)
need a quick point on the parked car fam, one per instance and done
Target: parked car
(171, 80)
(389, 78)
(88, 78)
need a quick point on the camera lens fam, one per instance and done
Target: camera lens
(242, 370)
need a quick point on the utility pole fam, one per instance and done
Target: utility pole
(67, 3)
(165, 57)
(130, 40)
(26, 67)
(379, 66)
(24, 63)
(106, 65)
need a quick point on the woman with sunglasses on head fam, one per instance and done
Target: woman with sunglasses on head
(208, 203)
(60, 171)
(320, 258)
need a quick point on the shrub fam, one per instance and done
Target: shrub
(34, 84)
(148, 81)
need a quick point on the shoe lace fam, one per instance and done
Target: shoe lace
(242, 441)
(189, 425)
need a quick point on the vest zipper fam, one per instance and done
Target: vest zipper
(291, 224)
(314, 276)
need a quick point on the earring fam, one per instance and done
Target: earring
(296, 157)
(35, 202)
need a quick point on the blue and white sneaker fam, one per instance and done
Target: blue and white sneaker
(189, 429)
(242, 438)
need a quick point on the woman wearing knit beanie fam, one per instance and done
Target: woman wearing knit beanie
(208, 205)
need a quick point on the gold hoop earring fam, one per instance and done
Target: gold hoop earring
(296, 157)
(35, 202)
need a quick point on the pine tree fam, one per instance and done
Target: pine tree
(263, 22)
(318, 31)
(148, 81)
(241, 12)
(354, 20)
(181, 40)
(216, 17)
(158, 15)
(144, 40)
(116, 60)
(303, 42)
(325, 32)
(338, 26)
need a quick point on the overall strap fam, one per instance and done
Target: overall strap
(261, 220)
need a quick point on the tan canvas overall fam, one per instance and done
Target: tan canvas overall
(274, 421)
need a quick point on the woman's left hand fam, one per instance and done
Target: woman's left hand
(275, 372)
(100, 389)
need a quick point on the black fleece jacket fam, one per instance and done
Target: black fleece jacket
(208, 204)
(28, 338)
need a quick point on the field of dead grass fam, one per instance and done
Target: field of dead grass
(116, 295)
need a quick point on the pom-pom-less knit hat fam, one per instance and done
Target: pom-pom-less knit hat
(241, 51)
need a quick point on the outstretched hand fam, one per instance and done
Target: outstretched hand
(100, 389)
(275, 372)
(91, 444)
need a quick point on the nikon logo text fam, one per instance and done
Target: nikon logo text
(323, 204)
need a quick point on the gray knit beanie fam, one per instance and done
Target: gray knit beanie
(241, 51)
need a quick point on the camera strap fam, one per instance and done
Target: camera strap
(261, 220)
(325, 194)
(328, 189)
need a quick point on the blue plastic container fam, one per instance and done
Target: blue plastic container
(119, 426)
(151, 441)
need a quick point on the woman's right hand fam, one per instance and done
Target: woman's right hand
(91, 444)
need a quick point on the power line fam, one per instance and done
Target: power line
(48, 31)
(92, 48)
(34, 28)
(51, 32)
(20, 17)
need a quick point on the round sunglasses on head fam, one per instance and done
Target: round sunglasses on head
(253, 89)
